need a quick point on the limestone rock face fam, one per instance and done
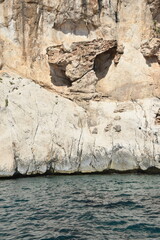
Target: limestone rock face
(42, 132)
(79, 86)
(29, 28)
(7, 161)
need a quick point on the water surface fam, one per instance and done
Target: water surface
(84, 207)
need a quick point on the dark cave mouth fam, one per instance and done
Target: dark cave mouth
(103, 62)
(58, 75)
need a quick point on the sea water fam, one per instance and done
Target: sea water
(84, 207)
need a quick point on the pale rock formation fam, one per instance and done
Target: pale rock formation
(42, 132)
(7, 161)
(93, 103)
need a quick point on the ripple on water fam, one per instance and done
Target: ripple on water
(83, 207)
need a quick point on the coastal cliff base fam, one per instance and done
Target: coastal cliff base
(42, 132)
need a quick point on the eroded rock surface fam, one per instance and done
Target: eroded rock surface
(151, 49)
(95, 66)
(42, 132)
(81, 62)
(28, 28)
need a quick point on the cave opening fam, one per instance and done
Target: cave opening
(103, 62)
(58, 76)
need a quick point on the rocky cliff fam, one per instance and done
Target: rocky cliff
(79, 86)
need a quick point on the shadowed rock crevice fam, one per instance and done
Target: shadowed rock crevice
(58, 76)
(151, 60)
(103, 62)
(100, 5)
(84, 5)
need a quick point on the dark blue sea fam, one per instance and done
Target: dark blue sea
(84, 207)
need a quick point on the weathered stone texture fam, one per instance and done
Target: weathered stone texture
(28, 28)
(78, 63)
(42, 132)
(151, 49)
(96, 72)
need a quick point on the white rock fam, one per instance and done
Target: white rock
(43, 132)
